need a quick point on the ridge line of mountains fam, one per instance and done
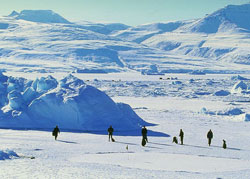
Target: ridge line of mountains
(217, 43)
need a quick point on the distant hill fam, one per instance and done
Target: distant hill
(230, 18)
(44, 16)
(43, 41)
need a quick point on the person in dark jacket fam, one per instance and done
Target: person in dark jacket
(55, 132)
(110, 132)
(144, 132)
(209, 136)
(181, 136)
(224, 144)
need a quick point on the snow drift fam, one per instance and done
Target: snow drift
(69, 103)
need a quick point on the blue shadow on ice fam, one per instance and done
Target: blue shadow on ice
(100, 132)
(131, 133)
(68, 142)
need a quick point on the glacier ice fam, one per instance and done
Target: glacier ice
(69, 103)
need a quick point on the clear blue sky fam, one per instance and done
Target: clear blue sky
(131, 12)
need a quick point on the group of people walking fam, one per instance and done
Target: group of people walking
(144, 132)
(209, 137)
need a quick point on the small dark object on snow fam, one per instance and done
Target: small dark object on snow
(55, 132)
(144, 132)
(224, 144)
(175, 140)
(181, 136)
(113, 140)
(209, 136)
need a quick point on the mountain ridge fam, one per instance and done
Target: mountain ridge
(176, 46)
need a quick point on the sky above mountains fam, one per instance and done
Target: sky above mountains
(129, 12)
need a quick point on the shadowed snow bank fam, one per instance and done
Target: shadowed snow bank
(68, 103)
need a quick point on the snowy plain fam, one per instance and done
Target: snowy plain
(86, 155)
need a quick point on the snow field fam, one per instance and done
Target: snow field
(78, 155)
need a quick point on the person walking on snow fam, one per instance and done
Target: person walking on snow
(144, 132)
(55, 132)
(209, 136)
(181, 136)
(224, 144)
(110, 132)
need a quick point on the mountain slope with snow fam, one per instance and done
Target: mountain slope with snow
(44, 16)
(230, 18)
(217, 43)
(222, 36)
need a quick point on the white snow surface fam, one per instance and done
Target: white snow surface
(157, 101)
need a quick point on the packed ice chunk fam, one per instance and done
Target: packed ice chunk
(247, 117)
(3, 78)
(70, 82)
(239, 87)
(14, 93)
(206, 111)
(238, 77)
(45, 84)
(243, 117)
(222, 93)
(15, 100)
(29, 94)
(176, 82)
(34, 84)
(231, 112)
(72, 105)
(8, 154)
(14, 83)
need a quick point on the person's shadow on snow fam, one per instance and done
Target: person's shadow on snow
(68, 142)
(131, 133)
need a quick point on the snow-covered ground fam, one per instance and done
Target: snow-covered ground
(190, 104)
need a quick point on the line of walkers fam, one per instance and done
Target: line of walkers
(144, 132)
(209, 137)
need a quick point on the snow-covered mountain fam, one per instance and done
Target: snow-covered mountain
(44, 16)
(230, 18)
(43, 41)
(222, 36)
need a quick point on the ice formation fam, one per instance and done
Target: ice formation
(69, 103)
(239, 87)
(8, 154)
